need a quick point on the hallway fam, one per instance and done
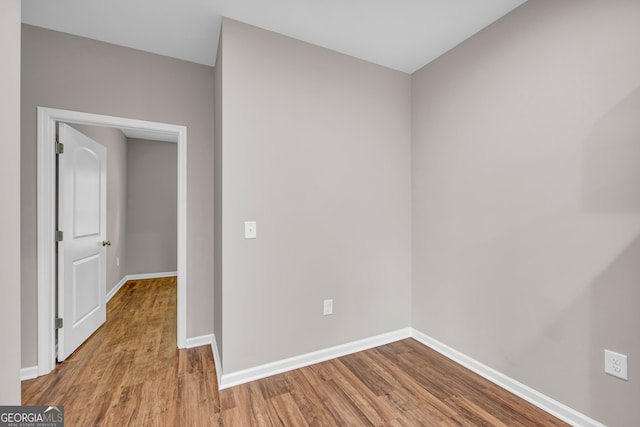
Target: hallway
(130, 371)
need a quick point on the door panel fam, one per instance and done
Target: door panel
(86, 298)
(86, 195)
(82, 212)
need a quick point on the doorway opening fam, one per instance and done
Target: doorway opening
(46, 192)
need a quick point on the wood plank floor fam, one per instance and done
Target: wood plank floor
(130, 373)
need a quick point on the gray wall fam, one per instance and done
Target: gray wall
(75, 73)
(152, 200)
(526, 200)
(315, 148)
(10, 196)
(116, 143)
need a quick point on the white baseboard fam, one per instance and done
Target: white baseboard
(198, 341)
(208, 340)
(151, 275)
(278, 367)
(216, 360)
(116, 288)
(532, 396)
(28, 373)
(128, 277)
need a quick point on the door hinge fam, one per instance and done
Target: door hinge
(59, 235)
(59, 148)
(59, 322)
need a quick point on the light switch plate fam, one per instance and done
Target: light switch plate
(250, 230)
(327, 307)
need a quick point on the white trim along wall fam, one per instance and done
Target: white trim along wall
(47, 119)
(128, 277)
(532, 396)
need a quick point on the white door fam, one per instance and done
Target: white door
(82, 209)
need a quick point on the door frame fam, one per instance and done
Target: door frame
(46, 199)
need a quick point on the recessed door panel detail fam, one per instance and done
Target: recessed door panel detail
(86, 195)
(86, 280)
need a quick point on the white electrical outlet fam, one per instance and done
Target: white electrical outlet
(615, 364)
(328, 307)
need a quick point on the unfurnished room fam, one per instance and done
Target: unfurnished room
(338, 213)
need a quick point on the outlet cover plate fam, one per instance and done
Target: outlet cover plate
(616, 364)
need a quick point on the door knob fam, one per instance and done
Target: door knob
(106, 243)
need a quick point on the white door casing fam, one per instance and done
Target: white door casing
(82, 211)
(46, 190)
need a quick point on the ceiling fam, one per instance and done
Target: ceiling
(400, 34)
